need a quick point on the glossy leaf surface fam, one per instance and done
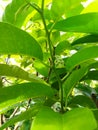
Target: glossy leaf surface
(48, 119)
(76, 23)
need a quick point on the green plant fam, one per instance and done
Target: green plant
(60, 52)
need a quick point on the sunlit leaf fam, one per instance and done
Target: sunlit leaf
(92, 7)
(74, 119)
(17, 72)
(76, 23)
(16, 41)
(73, 7)
(57, 5)
(16, 12)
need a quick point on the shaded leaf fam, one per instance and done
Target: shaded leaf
(84, 89)
(23, 116)
(16, 41)
(81, 56)
(25, 125)
(48, 119)
(86, 39)
(91, 75)
(82, 100)
(14, 94)
(94, 65)
(72, 80)
(76, 23)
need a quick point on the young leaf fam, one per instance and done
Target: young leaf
(81, 56)
(76, 23)
(14, 94)
(16, 41)
(48, 119)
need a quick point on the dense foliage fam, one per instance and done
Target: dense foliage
(49, 65)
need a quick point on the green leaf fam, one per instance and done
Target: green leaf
(74, 10)
(75, 119)
(86, 39)
(84, 89)
(25, 125)
(17, 11)
(94, 65)
(73, 7)
(83, 101)
(91, 75)
(23, 116)
(95, 111)
(92, 7)
(14, 94)
(57, 5)
(72, 80)
(76, 23)
(61, 47)
(17, 72)
(41, 68)
(55, 37)
(16, 41)
(81, 56)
